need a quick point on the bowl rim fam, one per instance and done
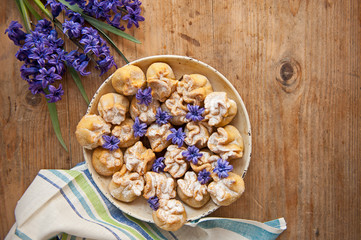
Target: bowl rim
(229, 84)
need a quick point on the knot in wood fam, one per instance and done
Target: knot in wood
(32, 100)
(288, 74)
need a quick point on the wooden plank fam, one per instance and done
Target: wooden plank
(296, 64)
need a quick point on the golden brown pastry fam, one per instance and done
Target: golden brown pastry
(194, 88)
(125, 185)
(145, 113)
(197, 133)
(112, 107)
(191, 191)
(90, 130)
(158, 184)
(170, 215)
(161, 79)
(226, 190)
(219, 109)
(227, 142)
(207, 161)
(106, 162)
(174, 161)
(128, 79)
(157, 136)
(177, 108)
(125, 133)
(138, 158)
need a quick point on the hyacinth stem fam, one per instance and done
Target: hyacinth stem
(32, 10)
(78, 83)
(55, 121)
(43, 9)
(24, 14)
(113, 44)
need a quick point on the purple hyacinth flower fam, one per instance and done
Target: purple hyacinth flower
(89, 31)
(47, 76)
(43, 26)
(144, 96)
(80, 3)
(90, 43)
(139, 128)
(116, 21)
(55, 6)
(55, 93)
(192, 154)
(105, 63)
(111, 142)
(14, 33)
(78, 61)
(177, 136)
(153, 203)
(204, 176)
(73, 29)
(36, 87)
(222, 168)
(195, 113)
(158, 165)
(53, 40)
(41, 54)
(29, 70)
(74, 16)
(34, 39)
(133, 16)
(162, 117)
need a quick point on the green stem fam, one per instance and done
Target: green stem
(55, 122)
(32, 10)
(25, 15)
(78, 83)
(113, 44)
(43, 9)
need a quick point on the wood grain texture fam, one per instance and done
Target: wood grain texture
(295, 63)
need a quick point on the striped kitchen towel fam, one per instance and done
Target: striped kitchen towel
(66, 204)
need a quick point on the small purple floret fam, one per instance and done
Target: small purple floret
(222, 168)
(162, 117)
(14, 32)
(192, 154)
(144, 96)
(139, 128)
(55, 93)
(153, 203)
(195, 113)
(111, 142)
(158, 165)
(177, 136)
(204, 176)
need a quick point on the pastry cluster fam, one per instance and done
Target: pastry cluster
(164, 138)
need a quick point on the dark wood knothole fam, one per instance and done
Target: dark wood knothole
(31, 99)
(288, 74)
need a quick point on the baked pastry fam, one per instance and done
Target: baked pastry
(138, 158)
(161, 79)
(175, 162)
(227, 142)
(177, 108)
(207, 161)
(128, 79)
(145, 113)
(126, 186)
(125, 133)
(225, 191)
(170, 215)
(197, 133)
(112, 107)
(158, 184)
(219, 109)
(191, 191)
(90, 130)
(157, 136)
(194, 88)
(106, 162)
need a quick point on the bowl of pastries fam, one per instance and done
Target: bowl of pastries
(167, 139)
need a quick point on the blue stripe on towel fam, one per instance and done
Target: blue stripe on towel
(73, 207)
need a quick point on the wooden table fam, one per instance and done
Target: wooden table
(296, 64)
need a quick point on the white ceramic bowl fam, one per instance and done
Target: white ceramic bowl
(181, 65)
